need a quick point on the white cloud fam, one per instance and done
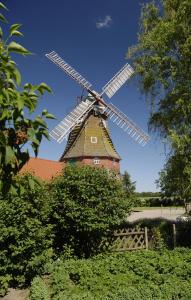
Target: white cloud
(106, 22)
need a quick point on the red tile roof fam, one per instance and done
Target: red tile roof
(43, 168)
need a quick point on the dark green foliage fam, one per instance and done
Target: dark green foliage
(87, 202)
(158, 201)
(25, 234)
(162, 59)
(175, 178)
(137, 275)
(130, 188)
(17, 103)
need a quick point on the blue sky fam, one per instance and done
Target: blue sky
(92, 36)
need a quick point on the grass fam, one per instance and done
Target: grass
(139, 208)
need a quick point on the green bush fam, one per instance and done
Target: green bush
(146, 275)
(39, 290)
(87, 204)
(25, 234)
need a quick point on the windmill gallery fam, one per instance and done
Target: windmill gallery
(86, 127)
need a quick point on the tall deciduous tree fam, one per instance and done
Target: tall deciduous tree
(17, 130)
(162, 60)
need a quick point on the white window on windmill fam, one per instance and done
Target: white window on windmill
(96, 161)
(93, 139)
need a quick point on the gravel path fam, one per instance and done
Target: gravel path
(16, 295)
(166, 213)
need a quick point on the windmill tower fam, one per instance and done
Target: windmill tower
(89, 140)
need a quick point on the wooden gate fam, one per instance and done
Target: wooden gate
(130, 239)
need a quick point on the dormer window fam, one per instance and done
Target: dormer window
(93, 139)
(96, 161)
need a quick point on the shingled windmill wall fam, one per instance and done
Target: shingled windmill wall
(90, 143)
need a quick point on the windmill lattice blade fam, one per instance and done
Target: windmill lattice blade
(118, 80)
(126, 124)
(60, 132)
(55, 58)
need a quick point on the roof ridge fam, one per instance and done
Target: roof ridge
(56, 161)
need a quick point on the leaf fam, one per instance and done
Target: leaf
(17, 76)
(43, 86)
(20, 103)
(5, 114)
(31, 135)
(3, 6)
(47, 115)
(9, 155)
(40, 121)
(15, 27)
(1, 32)
(16, 32)
(3, 19)
(15, 47)
(31, 183)
(46, 134)
(2, 139)
(28, 86)
(44, 112)
(50, 116)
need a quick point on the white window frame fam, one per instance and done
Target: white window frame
(93, 139)
(96, 161)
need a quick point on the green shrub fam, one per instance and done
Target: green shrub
(147, 275)
(25, 234)
(39, 290)
(87, 203)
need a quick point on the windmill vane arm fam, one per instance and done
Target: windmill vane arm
(70, 71)
(118, 80)
(60, 132)
(126, 124)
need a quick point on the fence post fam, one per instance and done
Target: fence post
(174, 235)
(146, 238)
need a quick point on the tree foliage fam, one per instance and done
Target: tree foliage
(16, 101)
(130, 188)
(175, 178)
(163, 62)
(87, 203)
(25, 234)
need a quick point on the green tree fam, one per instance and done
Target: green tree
(87, 204)
(175, 178)
(17, 130)
(162, 60)
(128, 184)
(130, 188)
(25, 234)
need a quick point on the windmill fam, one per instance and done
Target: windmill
(86, 126)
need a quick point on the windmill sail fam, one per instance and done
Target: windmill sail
(60, 132)
(118, 80)
(126, 124)
(70, 71)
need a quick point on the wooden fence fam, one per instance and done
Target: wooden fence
(130, 239)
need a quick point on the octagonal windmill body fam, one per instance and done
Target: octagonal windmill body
(86, 128)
